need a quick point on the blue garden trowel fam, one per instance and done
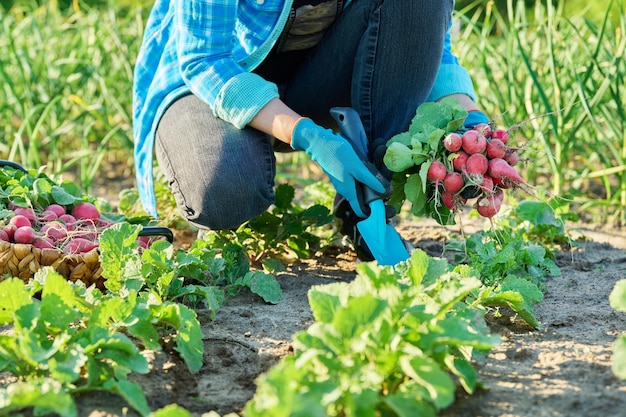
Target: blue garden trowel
(382, 239)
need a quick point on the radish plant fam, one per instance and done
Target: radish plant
(393, 342)
(438, 165)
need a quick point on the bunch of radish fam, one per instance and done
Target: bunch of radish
(477, 163)
(72, 230)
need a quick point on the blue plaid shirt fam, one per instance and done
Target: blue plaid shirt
(208, 48)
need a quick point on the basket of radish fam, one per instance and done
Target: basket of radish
(45, 222)
(439, 166)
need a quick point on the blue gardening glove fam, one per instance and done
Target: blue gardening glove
(335, 155)
(474, 118)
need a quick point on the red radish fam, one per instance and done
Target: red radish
(452, 201)
(453, 182)
(484, 129)
(4, 236)
(54, 230)
(27, 212)
(58, 209)
(474, 142)
(459, 161)
(24, 234)
(500, 169)
(103, 223)
(476, 166)
(512, 158)
(86, 211)
(496, 149)
(144, 241)
(501, 134)
(452, 142)
(68, 219)
(48, 215)
(487, 185)
(42, 242)
(20, 220)
(447, 198)
(80, 245)
(436, 172)
(85, 229)
(9, 229)
(489, 205)
(497, 182)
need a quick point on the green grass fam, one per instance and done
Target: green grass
(66, 72)
(66, 80)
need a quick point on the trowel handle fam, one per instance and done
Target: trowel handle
(352, 129)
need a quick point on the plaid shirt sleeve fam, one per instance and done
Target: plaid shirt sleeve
(208, 65)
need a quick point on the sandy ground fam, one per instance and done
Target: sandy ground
(561, 369)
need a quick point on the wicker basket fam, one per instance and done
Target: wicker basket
(22, 261)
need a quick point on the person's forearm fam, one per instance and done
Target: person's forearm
(466, 102)
(276, 119)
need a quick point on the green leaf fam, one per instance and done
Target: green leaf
(617, 298)
(434, 139)
(266, 286)
(619, 357)
(431, 376)
(323, 304)
(537, 213)
(418, 265)
(42, 188)
(414, 191)
(284, 196)
(174, 410)
(527, 289)
(119, 349)
(133, 395)
(464, 370)
(119, 255)
(46, 395)
(58, 301)
(398, 157)
(409, 405)
(65, 194)
(403, 138)
(13, 295)
(516, 302)
(358, 313)
(189, 335)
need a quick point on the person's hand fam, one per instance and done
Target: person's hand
(337, 158)
(474, 118)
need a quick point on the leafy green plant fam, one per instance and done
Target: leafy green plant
(70, 341)
(504, 255)
(280, 233)
(617, 299)
(505, 260)
(194, 275)
(384, 344)
(540, 222)
(67, 339)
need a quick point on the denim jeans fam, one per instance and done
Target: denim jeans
(380, 57)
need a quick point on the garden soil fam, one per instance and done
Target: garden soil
(561, 369)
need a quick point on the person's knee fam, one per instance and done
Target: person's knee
(228, 205)
(418, 11)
